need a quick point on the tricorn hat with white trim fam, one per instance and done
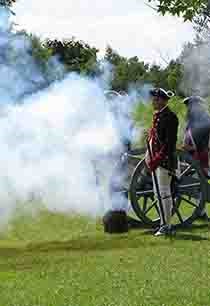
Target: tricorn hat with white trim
(193, 99)
(162, 93)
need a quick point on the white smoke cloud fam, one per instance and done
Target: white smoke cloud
(57, 144)
(51, 144)
(196, 64)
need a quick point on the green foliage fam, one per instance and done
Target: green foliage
(75, 55)
(188, 8)
(183, 75)
(174, 75)
(52, 70)
(179, 108)
(127, 71)
(156, 76)
(143, 114)
(40, 52)
(7, 2)
(112, 56)
(169, 77)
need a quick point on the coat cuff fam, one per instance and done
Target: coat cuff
(156, 159)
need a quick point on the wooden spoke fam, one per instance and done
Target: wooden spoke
(178, 214)
(151, 206)
(185, 172)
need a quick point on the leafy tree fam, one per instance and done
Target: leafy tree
(7, 2)
(133, 72)
(112, 56)
(75, 55)
(39, 50)
(187, 8)
(174, 75)
(127, 71)
(156, 76)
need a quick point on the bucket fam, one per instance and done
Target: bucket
(115, 222)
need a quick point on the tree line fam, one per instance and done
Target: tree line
(80, 57)
(130, 72)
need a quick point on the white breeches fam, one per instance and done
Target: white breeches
(164, 184)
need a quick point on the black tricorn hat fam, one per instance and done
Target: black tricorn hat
(193, 99)
(162, 93)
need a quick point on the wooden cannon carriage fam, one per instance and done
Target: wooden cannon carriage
(190, 188)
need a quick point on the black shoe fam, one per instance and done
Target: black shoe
(204, 217)
(164, 230)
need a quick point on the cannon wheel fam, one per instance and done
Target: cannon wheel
(188, 190)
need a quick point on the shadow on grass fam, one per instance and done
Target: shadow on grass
(179, 236)
(103, 242)
(43, 254)
(182, 236)
(135, 239)
(93, 244)
(136, 224)
(194, 227)
(96, 244)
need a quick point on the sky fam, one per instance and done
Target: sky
(130, 27)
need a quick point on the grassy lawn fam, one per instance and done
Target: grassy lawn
(56, 260)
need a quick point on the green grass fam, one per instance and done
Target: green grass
(56, 260)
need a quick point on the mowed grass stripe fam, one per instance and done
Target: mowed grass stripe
(54, 259)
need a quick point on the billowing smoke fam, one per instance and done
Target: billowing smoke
(20, 73)
(195, 85)
(58, 143)
(196, 72)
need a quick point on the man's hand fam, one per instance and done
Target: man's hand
(188, 148)
(180, 147)
(152, 164)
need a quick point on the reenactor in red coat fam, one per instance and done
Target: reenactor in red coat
(162, 158)
(197, 136)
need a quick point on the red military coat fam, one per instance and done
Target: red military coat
(163, 138)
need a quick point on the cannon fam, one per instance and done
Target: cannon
(190, 188)
(131, 178)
